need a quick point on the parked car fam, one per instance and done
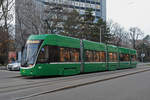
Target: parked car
(14, 66)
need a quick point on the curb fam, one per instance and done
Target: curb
(109, 77)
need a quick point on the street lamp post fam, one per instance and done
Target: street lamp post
(100, 35)
(143, 54)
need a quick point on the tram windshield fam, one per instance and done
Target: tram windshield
(29, 53)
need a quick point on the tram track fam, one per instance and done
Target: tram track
(86, 75)
(54, 81)
(80, 84)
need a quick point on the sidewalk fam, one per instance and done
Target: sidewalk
(147, 63)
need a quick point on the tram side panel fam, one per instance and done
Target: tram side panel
(112, 57)
(94, 56)
(63, 54)
(124, 57)
(133, 58)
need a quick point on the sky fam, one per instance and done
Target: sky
(130, 13)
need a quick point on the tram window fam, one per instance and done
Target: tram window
(62, 58)
(110, 57)
(96, 56)
(53, 54)
(58, 54)
(64, 55)
(127, 58)
(89, 56)
(133, 57)
(69, 55)
(44, 55)
(113, 57)
(75, 55)
(48, 54)
(124, 57)
(121, 57)
(102, 56)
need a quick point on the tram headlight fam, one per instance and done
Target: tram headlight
(40, 67)
(30, 65)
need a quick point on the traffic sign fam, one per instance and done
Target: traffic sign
(143, 55)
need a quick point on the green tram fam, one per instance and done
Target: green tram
(51, 54)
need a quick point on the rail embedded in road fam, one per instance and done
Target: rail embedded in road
(61, 83)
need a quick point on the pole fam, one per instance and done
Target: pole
(142, 53)
(82, 56)
(100, 38)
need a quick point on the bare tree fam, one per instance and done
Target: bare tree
(6, 16)
(33, 17)
(1, 12)
(28, 20)
(119, 35)
(135, 33)
(3, 45)
(6, 19)
(54, 16)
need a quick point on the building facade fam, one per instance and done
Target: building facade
(98, 6)
(29, 14)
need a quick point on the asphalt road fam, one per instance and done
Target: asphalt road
(4, 74)
(13, 86)
(134, 87)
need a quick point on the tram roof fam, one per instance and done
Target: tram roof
(75, 42)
